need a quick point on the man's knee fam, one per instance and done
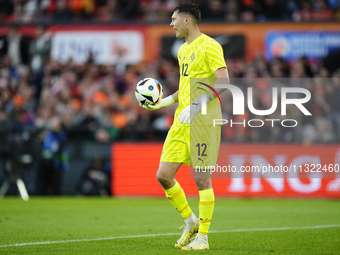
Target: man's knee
(166, 174)
(162, 178)
(203, 183)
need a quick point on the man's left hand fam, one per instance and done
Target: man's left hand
(189, 113)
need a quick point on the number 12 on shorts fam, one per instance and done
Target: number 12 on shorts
(201, 147)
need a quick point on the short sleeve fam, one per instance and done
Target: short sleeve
(214, 56)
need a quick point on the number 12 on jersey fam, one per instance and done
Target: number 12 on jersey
(184, 69)
(204, 147)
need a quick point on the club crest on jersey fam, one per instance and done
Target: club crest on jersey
(193, 56)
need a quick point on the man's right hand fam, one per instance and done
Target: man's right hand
(164, 102)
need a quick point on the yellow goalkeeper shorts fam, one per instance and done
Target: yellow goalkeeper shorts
(204, 145)
(202, 141)
(176, 147)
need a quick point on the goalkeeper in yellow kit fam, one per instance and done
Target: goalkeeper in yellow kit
(199, 57)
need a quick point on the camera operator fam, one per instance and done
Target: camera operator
(54, 160)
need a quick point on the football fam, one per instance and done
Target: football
(149, 91)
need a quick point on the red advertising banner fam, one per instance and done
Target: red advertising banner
(260, 170)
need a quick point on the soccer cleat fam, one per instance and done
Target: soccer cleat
(200, 243)
(189, 230)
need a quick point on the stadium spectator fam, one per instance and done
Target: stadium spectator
(62, 12)
(311, 11)
(160, 10)
(271, 10)
(82, 9)
(39, 49)
(6, 10)
(96, 179)
(15, 46)
(213, 10)
(232, 11)
(22, 120)
(249, 10)
(54, 160)
(155, 11)
(25, 11)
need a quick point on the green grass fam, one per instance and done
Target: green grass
(61, 219)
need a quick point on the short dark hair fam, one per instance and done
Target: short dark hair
(191, 9)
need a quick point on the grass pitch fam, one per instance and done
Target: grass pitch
(150, 226)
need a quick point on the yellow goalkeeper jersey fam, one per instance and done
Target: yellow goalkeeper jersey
(199, 59)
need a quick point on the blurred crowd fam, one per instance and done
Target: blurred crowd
(97, 102)
(26, 11)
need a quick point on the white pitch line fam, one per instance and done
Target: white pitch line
(276, 229)
(172, 234)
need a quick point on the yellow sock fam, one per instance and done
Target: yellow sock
(178, 200)
(206, 208)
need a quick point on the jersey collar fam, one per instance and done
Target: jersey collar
(194, 41)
